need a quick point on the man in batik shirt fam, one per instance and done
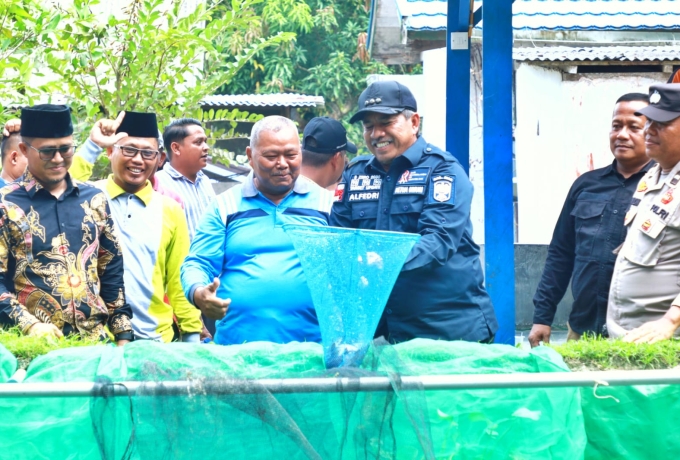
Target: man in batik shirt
(61, 267)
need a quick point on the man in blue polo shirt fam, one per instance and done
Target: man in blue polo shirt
(242, 268)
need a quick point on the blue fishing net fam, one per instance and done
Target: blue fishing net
(350, 274)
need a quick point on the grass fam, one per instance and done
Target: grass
(589, 353)
(27, 348)
(597, 354)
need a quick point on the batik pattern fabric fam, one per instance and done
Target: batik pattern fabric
(60, 260)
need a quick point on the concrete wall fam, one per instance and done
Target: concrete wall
(562, 131)
(529, 263)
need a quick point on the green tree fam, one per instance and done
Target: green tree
(327, 58)
(151, 56)
(24, 26)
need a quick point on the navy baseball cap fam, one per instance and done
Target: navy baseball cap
(325, 135)
(664, 103)
(388, 97)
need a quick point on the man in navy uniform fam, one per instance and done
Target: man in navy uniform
(408, 185)
(590, 228)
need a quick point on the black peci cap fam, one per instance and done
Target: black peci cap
(139, 124)
(664, 103)
(325, 135)
(388, 97)
(46, 121)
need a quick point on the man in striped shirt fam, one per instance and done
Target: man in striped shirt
(187, 149)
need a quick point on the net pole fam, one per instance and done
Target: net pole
(344, 384)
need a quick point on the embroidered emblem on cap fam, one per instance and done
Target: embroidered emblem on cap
(655, 98)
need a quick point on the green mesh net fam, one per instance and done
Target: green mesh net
(230, 414)
(632, 422)
(350, 274)
(8, 364)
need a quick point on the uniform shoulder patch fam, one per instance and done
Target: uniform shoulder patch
(442, 189)
(339, 192)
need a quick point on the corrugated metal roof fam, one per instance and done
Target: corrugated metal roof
(263, 100)
(603, 53)
(422, 15)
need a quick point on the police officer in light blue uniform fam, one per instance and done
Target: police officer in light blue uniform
(408, 185)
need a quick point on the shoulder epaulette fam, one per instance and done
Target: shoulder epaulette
(432, 150)
(361, 158)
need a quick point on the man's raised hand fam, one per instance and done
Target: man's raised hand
(12, 126)
(103, 132)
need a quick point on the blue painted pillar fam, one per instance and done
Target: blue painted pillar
(458, 82)
(498, 201)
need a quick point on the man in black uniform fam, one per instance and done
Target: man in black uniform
(590, 227)
(408, 185)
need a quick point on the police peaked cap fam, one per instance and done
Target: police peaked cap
(139, 124)
(664, 103)
(388, 97)
(46, 121)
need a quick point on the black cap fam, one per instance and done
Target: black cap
(325, 135)
(46, 121)
(139, 124)
(664, 103)
(388, 97)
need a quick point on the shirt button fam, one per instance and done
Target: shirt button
(405, 208)
(389, 312)
(385, 211)
(388, 178)
(616, 211)
(428, 149)
(361, 213)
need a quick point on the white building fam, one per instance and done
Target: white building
(572, 60)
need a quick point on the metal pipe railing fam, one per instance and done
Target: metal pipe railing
(344, 384)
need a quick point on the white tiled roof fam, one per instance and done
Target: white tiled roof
(263, 100)
(422, 15)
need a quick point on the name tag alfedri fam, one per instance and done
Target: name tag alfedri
(363, 196)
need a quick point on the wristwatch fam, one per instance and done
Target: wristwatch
(127, 335)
